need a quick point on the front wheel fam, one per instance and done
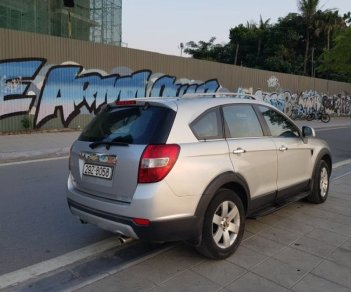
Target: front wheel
(320, 188)
(223, 226)
(310, 117)
(325, 118)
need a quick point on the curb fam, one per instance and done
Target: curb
(33, 155)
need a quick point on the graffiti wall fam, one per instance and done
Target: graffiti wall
(307, 101)
(32, 87)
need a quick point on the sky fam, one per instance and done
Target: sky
(161, 25)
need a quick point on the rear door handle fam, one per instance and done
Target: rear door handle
(283, 148)
(239, 151)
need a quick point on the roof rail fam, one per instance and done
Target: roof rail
(219, 94)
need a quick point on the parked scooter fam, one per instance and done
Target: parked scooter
(318, 115)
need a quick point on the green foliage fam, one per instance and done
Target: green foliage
(337, 61)
(26, 123)
(285, 46)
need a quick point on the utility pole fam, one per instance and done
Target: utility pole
(181, 46)
(312, 63)
(236, 54)
(69, 4)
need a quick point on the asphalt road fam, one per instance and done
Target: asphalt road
(339, 141)
(35, 223)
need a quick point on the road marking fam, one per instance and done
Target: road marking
(119, 269)
(341, 176)
(33, 161)
(331, 128)
(341, 163)
(36, 270)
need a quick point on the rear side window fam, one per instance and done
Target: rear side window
(208, 126)
(130, 124)
(242, 121)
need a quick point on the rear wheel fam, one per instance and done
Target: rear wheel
(224, 224)
(320, 189)
(325, 118)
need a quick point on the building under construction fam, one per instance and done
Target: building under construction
(90, 20)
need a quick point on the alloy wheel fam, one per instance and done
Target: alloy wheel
(323, 182)
(225, 224)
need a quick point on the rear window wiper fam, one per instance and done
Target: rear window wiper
(107, 143)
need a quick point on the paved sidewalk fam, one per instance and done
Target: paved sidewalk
(40, 145)
(302, 247)
(35, 145)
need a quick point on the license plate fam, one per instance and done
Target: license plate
(97, 171)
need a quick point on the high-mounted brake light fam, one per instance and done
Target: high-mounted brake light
(156, 162)
(125, 102)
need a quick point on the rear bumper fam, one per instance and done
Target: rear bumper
(185, 228)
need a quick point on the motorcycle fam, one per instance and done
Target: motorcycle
(318, 115)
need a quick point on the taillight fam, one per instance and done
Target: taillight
(70, 158)
(156, 162)
(141, 221)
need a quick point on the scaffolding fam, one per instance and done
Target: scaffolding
(94, 20)
(108, 16)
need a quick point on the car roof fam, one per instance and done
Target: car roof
(199, 102)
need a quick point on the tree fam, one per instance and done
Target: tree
(200, 50)
(210, 51)
(284, 47)
(308, 9)
(347, 18)
(281, 47)
(262, 28)
(246, 37)
(337, 61)
(328, 22)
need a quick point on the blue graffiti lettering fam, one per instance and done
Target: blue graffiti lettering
(132, 86)
(65, 90)
(15, 76)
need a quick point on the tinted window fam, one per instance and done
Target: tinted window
(208, 126)
(242, 121)
(132, 125)
(278, 124)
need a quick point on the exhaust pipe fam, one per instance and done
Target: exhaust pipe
(123, 239)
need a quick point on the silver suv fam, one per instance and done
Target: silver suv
(192, 168)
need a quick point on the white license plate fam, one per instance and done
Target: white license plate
(97, 171)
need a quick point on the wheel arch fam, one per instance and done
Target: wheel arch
(325, 155)
(227, 180)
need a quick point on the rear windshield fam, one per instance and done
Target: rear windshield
(130, 124)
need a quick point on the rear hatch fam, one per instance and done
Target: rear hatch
(104, 161)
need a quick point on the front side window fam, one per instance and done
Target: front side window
(208, 126)
(278, 125)
(242, 121)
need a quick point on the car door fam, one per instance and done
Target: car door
(253, 154)
(294, 156)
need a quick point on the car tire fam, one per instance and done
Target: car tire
(321, 183)
(223, 226)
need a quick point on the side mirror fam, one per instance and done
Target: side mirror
(308, 132)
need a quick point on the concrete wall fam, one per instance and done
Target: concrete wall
(56, 82)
